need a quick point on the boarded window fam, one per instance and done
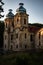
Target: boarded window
(24, 21)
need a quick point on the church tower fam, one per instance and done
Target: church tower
(21, 28)
(9, 27)
(16, 35)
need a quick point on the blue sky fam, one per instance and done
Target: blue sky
(34, 9)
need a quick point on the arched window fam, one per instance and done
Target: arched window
(12, 37)
(24, 21)
(25, 35)
(11, 47)
(17, 20)
(25, 46)
(17, 46)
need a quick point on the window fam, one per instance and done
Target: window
(25, 46)
(20, 45)
(42, 38)
(25, 35)
(5, 45)
(12, 37)
(39, 35)
(16, 46)
(11, 47)
(31, 37)
(16, 35)
(39, 43)
(12, 23)
(6, 25)
(17, 20)
(5, 37)
(24, 21)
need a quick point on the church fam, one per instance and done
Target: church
(19, 34)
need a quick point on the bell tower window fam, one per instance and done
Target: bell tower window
(6, 25)
(24, 21)
(39, 43)
(17, 20)
(12, 23)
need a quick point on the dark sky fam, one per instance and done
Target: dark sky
(34, 8)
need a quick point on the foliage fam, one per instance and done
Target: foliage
(1, 33)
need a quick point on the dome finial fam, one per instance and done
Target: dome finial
(21, 4)
(10, 10)
(21, 9)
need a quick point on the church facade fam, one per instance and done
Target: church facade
(18, 34)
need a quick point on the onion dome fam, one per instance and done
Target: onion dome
(21, 9)
(10, 14)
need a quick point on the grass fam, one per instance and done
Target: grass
(22, 58)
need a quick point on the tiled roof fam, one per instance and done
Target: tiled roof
(33, 28)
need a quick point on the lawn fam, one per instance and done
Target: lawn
(22, 58)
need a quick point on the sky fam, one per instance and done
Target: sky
(33, 7)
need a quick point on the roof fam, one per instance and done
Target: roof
(34, 28)
(21, 9)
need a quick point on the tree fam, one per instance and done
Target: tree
(1, 9)
(1, 33)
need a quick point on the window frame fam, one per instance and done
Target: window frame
(24, 21)
(11, 36)
(25, 35)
